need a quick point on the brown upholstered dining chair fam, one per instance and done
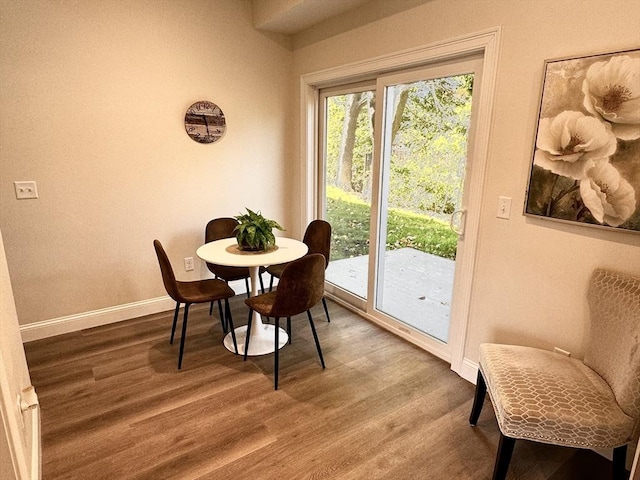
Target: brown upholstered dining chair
(198, 291)
(217, 229)
(317, 237)
(551, 398)
(301, 287)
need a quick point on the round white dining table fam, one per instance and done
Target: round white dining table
(226, 252)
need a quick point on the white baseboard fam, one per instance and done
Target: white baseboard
(72, 323)
(469, 371)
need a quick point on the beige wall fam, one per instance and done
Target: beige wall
(93, 96)
(531, 275)
(92, 99)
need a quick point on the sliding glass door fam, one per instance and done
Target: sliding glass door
(394, 156)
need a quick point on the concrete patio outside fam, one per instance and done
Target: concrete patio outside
(417, 287)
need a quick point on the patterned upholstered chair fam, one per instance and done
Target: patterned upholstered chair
(551, 398)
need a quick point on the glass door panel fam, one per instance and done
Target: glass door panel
(423, 162)
(347, 151)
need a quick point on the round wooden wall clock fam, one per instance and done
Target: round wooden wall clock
(205, 122)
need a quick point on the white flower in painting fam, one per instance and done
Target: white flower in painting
(608, 196)
(612, 93)
(571, 143)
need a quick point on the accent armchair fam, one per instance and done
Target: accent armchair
(547, 397)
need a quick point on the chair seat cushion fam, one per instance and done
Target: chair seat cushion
(228, 274)
(202, 291)
(548, 397)
(276, 270)
(263, 304)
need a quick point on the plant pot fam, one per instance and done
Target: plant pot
(248, 248)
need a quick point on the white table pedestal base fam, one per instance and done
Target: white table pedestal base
(261, 342)
(225, 252)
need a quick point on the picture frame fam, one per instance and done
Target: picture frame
(585, 166)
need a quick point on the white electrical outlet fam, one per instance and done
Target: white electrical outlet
(25, 190)
(188, 264)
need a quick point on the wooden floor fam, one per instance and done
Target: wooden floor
(114, 406)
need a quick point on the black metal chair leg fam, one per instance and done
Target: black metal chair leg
(505, 449)
(229, 322)
(175, 322)
(184, 334)
(275, 358)
(261, 282)
(315, 337)
(271, 283)
(246, 340)
(223, 321)
(211, 307)
(246, 284)
(289, 329)
(478, 399)
(619, 463)
(326, 310)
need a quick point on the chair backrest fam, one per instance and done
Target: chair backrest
(317, 237)
(301, 286)
(614, 339)
(168, 277)
(219, 228)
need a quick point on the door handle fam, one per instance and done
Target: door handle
(458, 227)
(28, 404)
(28, 399)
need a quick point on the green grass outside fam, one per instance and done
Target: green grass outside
(349, 218)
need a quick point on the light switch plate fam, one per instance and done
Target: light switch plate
(25, 190)
(504, 207)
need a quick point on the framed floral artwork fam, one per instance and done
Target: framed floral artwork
(586, 156)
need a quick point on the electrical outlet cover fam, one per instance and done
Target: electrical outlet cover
(25, 190)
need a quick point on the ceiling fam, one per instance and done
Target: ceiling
(293, 16)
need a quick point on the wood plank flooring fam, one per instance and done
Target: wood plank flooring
(114, 406)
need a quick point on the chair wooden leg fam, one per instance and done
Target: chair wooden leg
(326, 310)
(175, 322)
(229, 321)
(619, 463)
(505, 449)
(315, 337)
(184, 334)
(246, 340)
(478, 400)
(275, 358)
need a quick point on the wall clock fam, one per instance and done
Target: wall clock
(205, 122)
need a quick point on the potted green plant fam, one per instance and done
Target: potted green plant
(255, 232)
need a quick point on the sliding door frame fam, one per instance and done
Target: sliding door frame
(485, 43)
